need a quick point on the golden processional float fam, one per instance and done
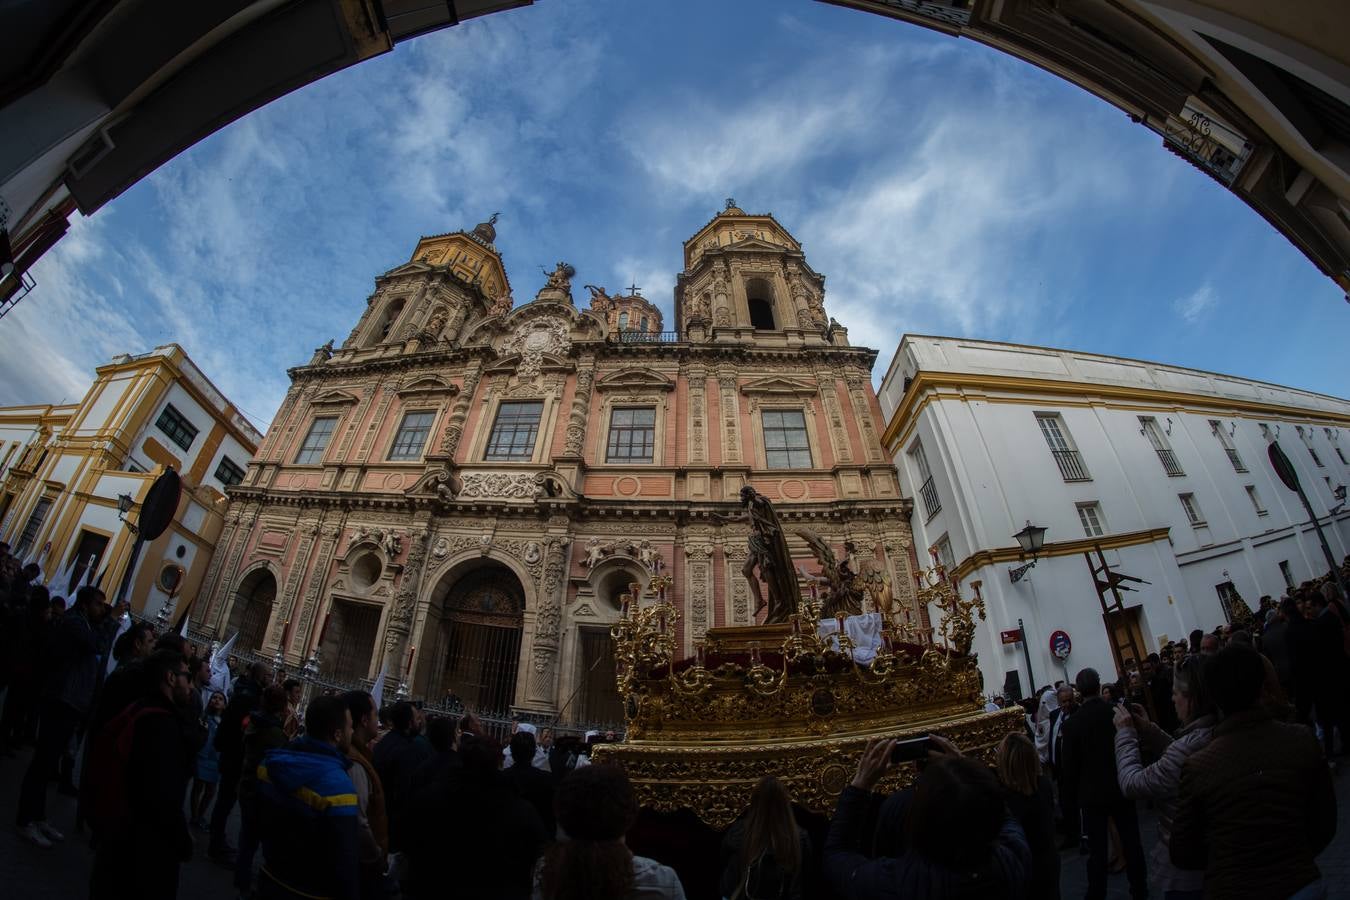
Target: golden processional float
(799, 698)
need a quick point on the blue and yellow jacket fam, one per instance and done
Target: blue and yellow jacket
(307, 820)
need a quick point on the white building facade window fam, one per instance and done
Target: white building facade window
(1090, 514)
(1066, 455)
(927, 492)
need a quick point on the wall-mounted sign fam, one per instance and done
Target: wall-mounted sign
(1060, 645)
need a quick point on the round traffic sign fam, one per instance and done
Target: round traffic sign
(1060, 645)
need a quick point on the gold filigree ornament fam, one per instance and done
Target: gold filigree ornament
(781, 699)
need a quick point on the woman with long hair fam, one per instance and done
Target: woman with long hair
(1030, 798)
(595, 807)
(764, 853)
(1161, 781)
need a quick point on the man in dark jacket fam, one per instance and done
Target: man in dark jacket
(264, 731)
(150, 828)
(230, 742)
(1257, 805)
(308, 811)
(535, 786)
(1089, 760)
(67, 695)
(397, 756)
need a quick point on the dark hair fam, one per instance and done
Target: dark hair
(156, 665)
(1196, 635)
(290, 683)
(402, 716)
(257, 671)
(1088, 682)
(122, 646)
(595, 806)
(769, 825)
(360, 703)
(1235, 676)
(522, 747)
(273, 701)
(441, 732)
(88, 595)
(481, 755)
(956, 813)
(323, 716)
(172, 640)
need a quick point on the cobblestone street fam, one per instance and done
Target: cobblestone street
(62, 873)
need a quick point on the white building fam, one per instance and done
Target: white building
(1164, 468)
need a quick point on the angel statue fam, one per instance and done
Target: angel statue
(768, 551)
(847, 587)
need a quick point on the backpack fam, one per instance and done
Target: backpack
(763, 880)
(110, 807)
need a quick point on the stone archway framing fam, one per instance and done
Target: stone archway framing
(228, 616)
(454, 567)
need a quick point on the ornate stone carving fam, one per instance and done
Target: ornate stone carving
(500, 485)
(581, 402)
(731, 442)
(533, 339)
(406, 595)
(835, 416)
(454, 426)
(862, 412)
(327, 544)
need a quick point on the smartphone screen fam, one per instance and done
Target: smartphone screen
(910, 749)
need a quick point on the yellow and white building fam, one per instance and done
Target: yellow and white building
(65, 467)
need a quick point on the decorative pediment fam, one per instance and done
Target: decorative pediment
(775, 386)
(584, 610)
(756, 243)
(334, 398)
(426, 386)
(416, 267)
(635, 380)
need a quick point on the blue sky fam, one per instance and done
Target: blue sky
(941, 187)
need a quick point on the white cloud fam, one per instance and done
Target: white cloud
(1197, 303)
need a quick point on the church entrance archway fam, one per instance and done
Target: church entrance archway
(252, 609)
(472, 635)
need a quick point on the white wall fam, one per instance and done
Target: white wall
(200, 418)
(993, 472)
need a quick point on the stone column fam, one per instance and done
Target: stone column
(284, 607)
(731, 418)
(212, 586)
(581, 405)
(862, 410)
(399, 625)
(698, 587)
(300, 635)
(221, 602)
(826, 381)
(543, 668)
(454, 425)
(698, 426)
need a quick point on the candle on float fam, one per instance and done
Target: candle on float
(411, 653)
(624, 600)
(698, 653)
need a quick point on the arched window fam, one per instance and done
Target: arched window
(643, 326)
(390, 315)
(623, 320)
(759, 299)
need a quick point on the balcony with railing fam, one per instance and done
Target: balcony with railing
(645, 337)
(1071, 466)
(1169, 462)
(931, 504)
(1235, 460)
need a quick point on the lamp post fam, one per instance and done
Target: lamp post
(1031, 539)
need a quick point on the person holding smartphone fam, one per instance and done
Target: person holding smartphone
(958, 838)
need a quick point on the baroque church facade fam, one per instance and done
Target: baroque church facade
(462, 491)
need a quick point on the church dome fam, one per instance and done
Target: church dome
(485, 230)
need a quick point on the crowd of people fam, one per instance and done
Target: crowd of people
(1229, 737)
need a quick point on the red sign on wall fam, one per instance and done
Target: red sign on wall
(1012, 636)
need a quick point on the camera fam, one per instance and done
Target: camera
(911, 749)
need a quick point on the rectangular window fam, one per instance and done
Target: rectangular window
(1061, 446)
(1193, 513)
(944, 553)
(1253, 496)
(176, 426)
(1317, 459)
(412, 435)
(311, 451)
(514, 433)
(227, 473)
(632, 435)
(927, 490)
(1287, 574)
(34, 525)
(1225, 441)
(785, 444)
(1155, 436)
(1341, 456)
(1090, 514)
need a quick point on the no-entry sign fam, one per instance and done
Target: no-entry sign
(1060, 645)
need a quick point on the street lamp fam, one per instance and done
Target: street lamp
(124, 504)
(1031, 539)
